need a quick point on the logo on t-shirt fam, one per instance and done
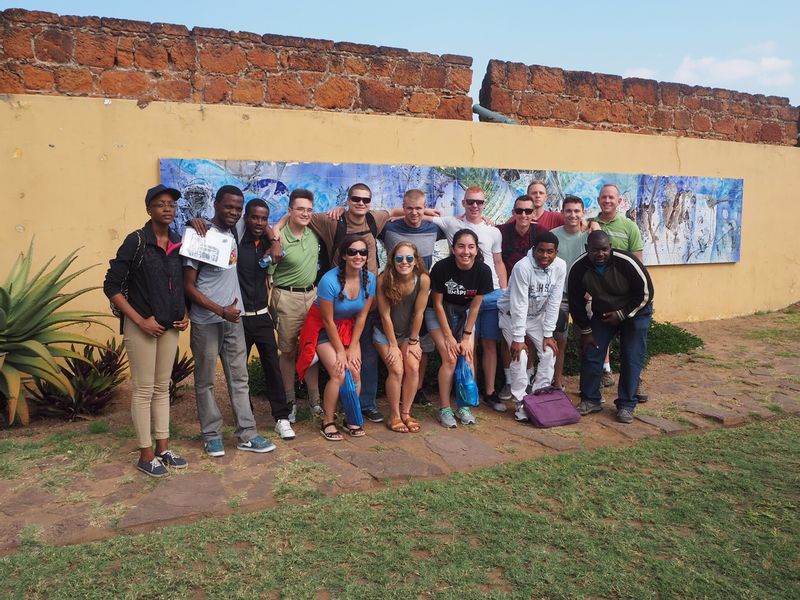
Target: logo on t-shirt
(456, 289)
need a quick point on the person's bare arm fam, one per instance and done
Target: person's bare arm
(500, 268)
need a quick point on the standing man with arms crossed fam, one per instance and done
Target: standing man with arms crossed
(622, 302)
(487, 328)
(217, 332)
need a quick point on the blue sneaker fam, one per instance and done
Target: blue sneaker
(257, 444)
(172, 460)
(214, 448)
(153, 468)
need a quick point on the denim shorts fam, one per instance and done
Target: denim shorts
(431, 321)
(379, 337)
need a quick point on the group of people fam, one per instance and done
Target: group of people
(310, 290)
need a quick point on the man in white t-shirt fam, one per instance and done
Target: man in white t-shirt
(490, 243)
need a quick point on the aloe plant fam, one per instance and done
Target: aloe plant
(32, 327)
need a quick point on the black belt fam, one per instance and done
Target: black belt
(294, 289)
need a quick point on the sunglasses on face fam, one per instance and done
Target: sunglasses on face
(527, 211)
(399, 259)
(356, 251)
(362, 199)
(473, 201)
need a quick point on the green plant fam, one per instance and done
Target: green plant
(31, 326)
(92, 380)
(181, 369)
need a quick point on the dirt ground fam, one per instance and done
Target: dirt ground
(748, 369)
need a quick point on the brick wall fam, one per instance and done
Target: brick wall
(536, 95)
(44, 53)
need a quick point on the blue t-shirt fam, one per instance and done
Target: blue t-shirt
(423, 237)
(329, 288)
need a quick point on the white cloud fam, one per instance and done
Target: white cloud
(760, 65)
(643, 72)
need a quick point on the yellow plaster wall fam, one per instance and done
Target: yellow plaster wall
(74, 172)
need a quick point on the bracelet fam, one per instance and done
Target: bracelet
(413, 341)
(467, 332)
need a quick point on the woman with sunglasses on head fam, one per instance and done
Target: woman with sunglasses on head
(334, 324)
(403, 289)
(458, 284)
(145, 284)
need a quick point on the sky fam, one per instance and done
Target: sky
(741, 45)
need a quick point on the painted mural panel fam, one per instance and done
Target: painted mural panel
(683, 220)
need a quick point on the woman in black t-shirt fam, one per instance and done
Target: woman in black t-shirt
(458, 284)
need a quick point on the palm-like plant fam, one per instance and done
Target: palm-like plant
(31, 326)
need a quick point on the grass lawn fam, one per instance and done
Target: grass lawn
(711, 516)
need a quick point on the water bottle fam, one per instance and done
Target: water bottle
(265, 261)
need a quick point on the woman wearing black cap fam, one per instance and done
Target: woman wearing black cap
(145, 284)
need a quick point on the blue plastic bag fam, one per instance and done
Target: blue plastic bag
(466, 388)
(348, 394)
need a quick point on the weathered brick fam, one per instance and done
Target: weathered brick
(641, 90)
(10, 82)
(355, 48)
(535, 105)
(579, 83)
(80, 22)
(670, 94)
(222, 58)
(336, 92)
(663, 119)
(609, 87)
(407, 73)
(752, 131)
(298, 42)
(740, 108)
(210, 32)
(789, 113)
(150, 54)
(246, 36)
(308, 61)
(215, 89)
(380, 67)
(124, 56)
(18, 44)
(765, 111)
(74, 81)
(547, 80)
(455, 108)
(182, 55)
(378, 96)
(682, 120)
(266, 59)
(434, 76)
(713, 104)
(498, 99)
(701, 122)
(95, 50)
(54, 46)
(496, 73)
(29, 16)
(310, 80)
(517, 77)
(174, 89)
(618, 113)
(564, 109)
(392, 51)
(593, 111)
(423, 103)
(125, 25)
(353, 65)
(459, 80)
(162, 29)
(457, 59)
(639, 115)
(286, 89)
(124, 83)
(725, 125)
(248, 91)
(771, 132)
(790, 134)
(36, 78)
(692, 103)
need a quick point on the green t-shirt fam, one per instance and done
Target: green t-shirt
(570, 247)
(298, 268)
(623, 233)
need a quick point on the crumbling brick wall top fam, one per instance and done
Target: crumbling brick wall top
(45, 53)
(537, 95)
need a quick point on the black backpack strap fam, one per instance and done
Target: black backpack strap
(373, 226)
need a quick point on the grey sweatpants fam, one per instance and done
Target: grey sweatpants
(224, 341)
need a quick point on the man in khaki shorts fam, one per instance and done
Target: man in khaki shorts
(293, 293)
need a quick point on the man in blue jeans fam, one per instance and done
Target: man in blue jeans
(622, 302)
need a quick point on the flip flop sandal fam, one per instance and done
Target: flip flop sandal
(397, 425)
(331, 436)
(411, 423)
(355, 432)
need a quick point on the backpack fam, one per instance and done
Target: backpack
(550, 407)
(134, 265)
(341, 231)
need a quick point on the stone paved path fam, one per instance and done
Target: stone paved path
(93, 491)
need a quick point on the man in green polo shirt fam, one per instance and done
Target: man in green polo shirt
(293, 293)
(624, 235)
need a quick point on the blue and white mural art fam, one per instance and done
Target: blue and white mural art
(683, 220)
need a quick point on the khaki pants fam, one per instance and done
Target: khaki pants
(150, 360)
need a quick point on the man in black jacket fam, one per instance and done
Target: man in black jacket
(622, 302)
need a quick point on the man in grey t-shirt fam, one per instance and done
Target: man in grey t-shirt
(217, 332)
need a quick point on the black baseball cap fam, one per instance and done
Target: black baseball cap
(157, 191)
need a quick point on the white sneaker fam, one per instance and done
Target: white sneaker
(316, 410)
(284, 429)
(292, 418)
(505, 393)
(519, 413)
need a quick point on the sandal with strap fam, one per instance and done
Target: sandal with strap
(397, 425)
(354, 431)
(331, 436)
(410, 422)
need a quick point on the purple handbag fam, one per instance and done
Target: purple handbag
(550, 407)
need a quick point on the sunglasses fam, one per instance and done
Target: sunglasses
(527, 211)
(473, 201)
(363, 199)
(356, 251)
(399, 259)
